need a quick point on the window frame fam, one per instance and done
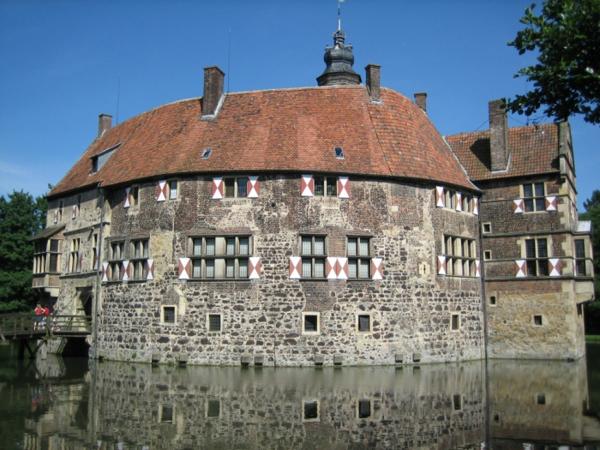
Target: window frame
(359, 258)
(311, 314)
(537, 266)
(236, 186)
(170, 184)
(139, 261)
(580, 261)
(162, 315)
(204, 261)
(455, 327)
(116, 261)
(364, 314)
(74, 263)
(533, 199)
(456, 259)
(312, 257)
(208, 323)
(327, 183)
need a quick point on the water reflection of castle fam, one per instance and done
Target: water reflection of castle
(533, 405)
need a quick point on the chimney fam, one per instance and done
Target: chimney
(421, 100)
(498, 135)
(374, 81)
(104, 123)
(213, 90)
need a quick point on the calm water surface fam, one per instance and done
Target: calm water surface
(63, 404)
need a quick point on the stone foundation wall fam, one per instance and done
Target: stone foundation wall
(410, 308)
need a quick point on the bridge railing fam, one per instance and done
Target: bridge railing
(19, 324)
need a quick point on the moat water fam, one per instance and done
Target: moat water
(66, 404)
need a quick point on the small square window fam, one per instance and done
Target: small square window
(537, 320)
(487, 255)
(492, 300)
(213, 408)
(457, 402)
(364, 409)
(310, 323)
(364, 323)
(169, 314)
(310, 410)
(540, 399)
(487, 227)
(165, 414)
(455, 322)
(214, 322)
(339, 153)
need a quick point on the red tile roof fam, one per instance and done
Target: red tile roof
(275, 131)
(533, 151)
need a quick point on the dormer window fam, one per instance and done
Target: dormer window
(206, 153)
(339, 153)
(99, 160)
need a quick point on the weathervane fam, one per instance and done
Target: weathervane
(339, 2)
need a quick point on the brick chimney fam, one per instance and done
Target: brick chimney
(104, 123)
(498, 135)
(374, 81)
(421, 100)
(213, 90)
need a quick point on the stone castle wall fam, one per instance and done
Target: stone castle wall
(410, 308)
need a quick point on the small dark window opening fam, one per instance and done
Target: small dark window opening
(487, 255)
(214, 322)
(537, 320)
(457, 402)
(311, 323)
(206, 153)
(492, 299)
(169, 314)
(487, 227)
(339, 153)
(213, 408)
(167, 414)
(311, 410)
(455, 322)
(364, 409)
(579, 309)
(540, 399)
(364, 323)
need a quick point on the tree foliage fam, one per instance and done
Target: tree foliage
(21, 216)
(566, 78)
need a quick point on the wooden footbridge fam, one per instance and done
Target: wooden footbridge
(31, 333)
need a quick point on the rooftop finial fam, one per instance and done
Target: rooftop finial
(339, 2)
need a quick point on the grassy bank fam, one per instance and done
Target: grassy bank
(592, 338)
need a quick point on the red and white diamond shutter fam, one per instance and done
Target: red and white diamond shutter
(518, 206)
(376, 268)
(127, 204)
(551, 203)
(331, 268)
(440, 200)
(218, 188)
(342, 262)
(253, 187)
(105, 273)
(477, 268)
(441, 265)
(555, 267)
(149, 269)
(125, 271)
(295, 267)
(254, 267)
(458, 201)
(307, 186)
(476, 206)
(343, 187)
(74, 212)
(184, 268)
(161, 191)
(521, 268)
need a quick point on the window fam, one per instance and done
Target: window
(169, 314)
(206, 153)
(165, 413)
(460, 256)
(39, 256)
(467, 203)
(455, 322)
(358, 251)
(310, 410)
(487, 255)
(363, 409)
(220, 257)
(450, 199)
(534, 197)
(214, 322)
(364, 323)
(236, 187)
(310, 323)
(98, 161)
(117, 255)
(172, 189)
(74, 260)
(538, 320)
(138, 258)
(134, 196)
(312, 250)
(536, 252)
(325, 186)
(540, 399)
(457, 402)
(580, 269)
(94, 252)
(339, 153)
(486, 227)
(60, 210)
(213, 408)
(493, 300)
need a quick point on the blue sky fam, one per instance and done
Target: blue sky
(64, 62)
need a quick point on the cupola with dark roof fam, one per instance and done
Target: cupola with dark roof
(338, 60)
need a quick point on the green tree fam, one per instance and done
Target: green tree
(565, 36)
(21, 216)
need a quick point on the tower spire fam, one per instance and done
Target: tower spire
(338, 59)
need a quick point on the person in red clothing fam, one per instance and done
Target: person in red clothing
(39, 316)
(45, 314)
